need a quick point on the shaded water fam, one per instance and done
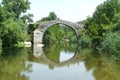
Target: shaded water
(57, 62)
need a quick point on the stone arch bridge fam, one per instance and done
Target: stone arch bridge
(39, 32)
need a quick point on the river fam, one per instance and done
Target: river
(57, 62)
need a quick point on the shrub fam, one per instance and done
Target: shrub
(19, 45)
(85, 41)
(0, 45)
(111, 44)
(12, 32)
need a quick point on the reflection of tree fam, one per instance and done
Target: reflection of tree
(12, 65)
(109, 71)
(52, 52)
(104, 68)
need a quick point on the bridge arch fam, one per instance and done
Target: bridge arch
(39, 32)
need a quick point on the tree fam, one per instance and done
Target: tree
(102, 19)
(2, 18)
(12, 32)
(12, 22)
(15, 7)
(51, 16)
(115, 23)
(105, 12)
(2, 15)
(27, 18)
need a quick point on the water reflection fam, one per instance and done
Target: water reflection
(66, 55)
(12, 63)
(74, 72)
(60, 53)
(52, 64)
(65, 61)
(37, 50)
(55, 55)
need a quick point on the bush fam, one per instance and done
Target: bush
(19, 45)
(12, 32)
(0, 45)
(111, 44)
(85, 41)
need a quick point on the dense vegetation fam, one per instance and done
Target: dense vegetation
(103, 28)
(12, 22)
(58, 34)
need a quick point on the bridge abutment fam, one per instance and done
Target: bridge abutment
(38, 35)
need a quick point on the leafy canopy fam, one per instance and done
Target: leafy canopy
(102, 19)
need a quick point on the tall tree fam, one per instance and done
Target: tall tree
(51, 16)
(102, 19)
(12, 32)
(13, 24)
(2, 18)
(15, 7)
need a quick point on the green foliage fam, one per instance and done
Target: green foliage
(27, 18)
(95, 32)
(2, 18)
(115, 26)
(111, 44)
(104, 26)
(53, 34)
(32, 27)
(15, 7)
(103, 17)
(105, 12)
(12, 63)
(0, 46)
(59, 33)
(85, 41)
(12, 23)
(52, 52)
(0, 43)
(52, 16)
(108, 44)
(12, 32)
(19, 45)
(2, 15)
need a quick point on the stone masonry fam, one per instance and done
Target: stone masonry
(39, 32)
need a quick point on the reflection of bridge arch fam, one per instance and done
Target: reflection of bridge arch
(47, 61)
(44, 60)
(39, 33)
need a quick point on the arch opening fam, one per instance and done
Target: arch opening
(59, 32)
(41, 30)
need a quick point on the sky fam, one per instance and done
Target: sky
(71, 10)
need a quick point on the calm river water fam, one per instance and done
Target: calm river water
(57, 62)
